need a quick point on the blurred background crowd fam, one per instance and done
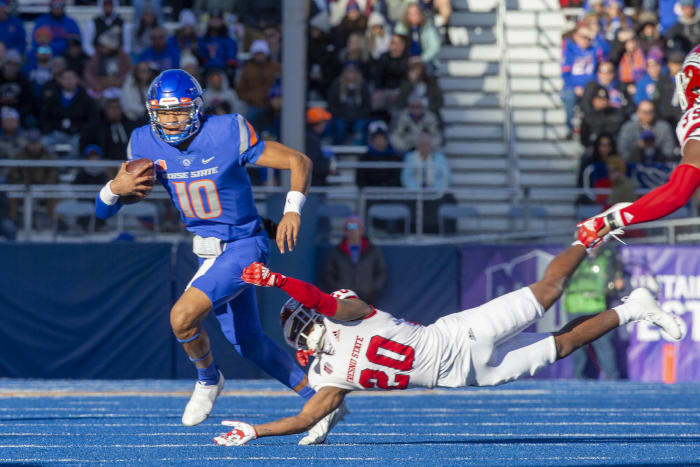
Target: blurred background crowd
(618, 91)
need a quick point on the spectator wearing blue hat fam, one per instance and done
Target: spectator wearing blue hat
(61, 26)
(353, 21)
(12, 32)
(349, 102)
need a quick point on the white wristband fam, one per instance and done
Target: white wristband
(107, 195)
(295, 201)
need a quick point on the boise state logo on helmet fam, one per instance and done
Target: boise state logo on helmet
(175, 90)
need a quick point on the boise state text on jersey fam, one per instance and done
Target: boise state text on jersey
(207, 181)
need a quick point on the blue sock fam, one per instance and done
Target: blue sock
(307, 392)
(209, 375)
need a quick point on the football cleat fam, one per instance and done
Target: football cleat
(202, 401)
(317, 434)
(648, 309)
(240, 434)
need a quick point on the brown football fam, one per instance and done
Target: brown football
(136, 165)
(133, 167)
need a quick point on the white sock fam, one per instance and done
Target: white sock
(625, 313)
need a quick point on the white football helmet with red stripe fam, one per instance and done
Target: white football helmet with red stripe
(688, 80)
(302, 328)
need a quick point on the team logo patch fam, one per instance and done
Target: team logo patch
(161, 166)
(327, 368)
(186, 162)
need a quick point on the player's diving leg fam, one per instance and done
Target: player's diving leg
(526, 353)
(240, 324)
(185, 319)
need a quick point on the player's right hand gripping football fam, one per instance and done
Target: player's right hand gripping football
(239, 435)
(132, 184)
(258, 274)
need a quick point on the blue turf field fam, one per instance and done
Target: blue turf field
(526, 423)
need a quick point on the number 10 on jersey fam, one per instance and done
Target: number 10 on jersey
(191, 197)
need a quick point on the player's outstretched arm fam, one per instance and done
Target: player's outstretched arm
(135, 184)
(307, 294)
(660, 202)
(278, 156)
(326, 400)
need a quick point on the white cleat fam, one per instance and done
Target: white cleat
(318, 432)
(649, 310)
(202, 401)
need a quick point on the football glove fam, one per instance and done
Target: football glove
(240, 434)
(588, 230)
(258, 274)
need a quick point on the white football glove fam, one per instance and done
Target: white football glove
(239, 435)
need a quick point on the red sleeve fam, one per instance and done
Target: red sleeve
(665, 199)
(309, 296)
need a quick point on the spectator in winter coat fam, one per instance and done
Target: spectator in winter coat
(423, 38)
(141, 32)
(218, 89)
(648, 32)
(418, 83)
(646, 87)
(601, 118)
(185, 38)
(159, 52)
(134, 89)
(349, 102)
(379, 150)
(411, 122)
(688, 26)
(353, 21)
(217, 48)
(378, 35)
(111, 131)
(617, 95)
(631, 133)
(15, 90)
(61, 26)
(256, 78)
(579, 61)
(356, 263)
(66, 112)
(107, 20)
(425, 167)
(12, 32)
(322, 57)
(389, 73)
(108, 67)
(632, 65)
(92, 175)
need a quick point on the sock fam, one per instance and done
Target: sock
(625, 313)
(208, 375)
(307, 392)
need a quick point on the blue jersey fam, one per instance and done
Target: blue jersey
(208, 181)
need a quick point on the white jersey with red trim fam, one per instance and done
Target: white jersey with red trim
(384, 352)
(689, 126)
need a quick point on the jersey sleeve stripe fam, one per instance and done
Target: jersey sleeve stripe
(253, 135)
(694, 127)
(374, 312)
(129, 156)
(242, 134)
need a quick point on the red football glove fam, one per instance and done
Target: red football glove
(588, 232)
(258, 274)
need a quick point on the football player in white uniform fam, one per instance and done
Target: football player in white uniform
(357, 347)
(684, 180)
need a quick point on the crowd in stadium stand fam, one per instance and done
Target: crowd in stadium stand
(77, 91)
(619, 91)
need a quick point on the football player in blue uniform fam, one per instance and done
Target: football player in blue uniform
(201, 163)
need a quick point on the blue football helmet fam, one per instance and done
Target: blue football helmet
(175, 89)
